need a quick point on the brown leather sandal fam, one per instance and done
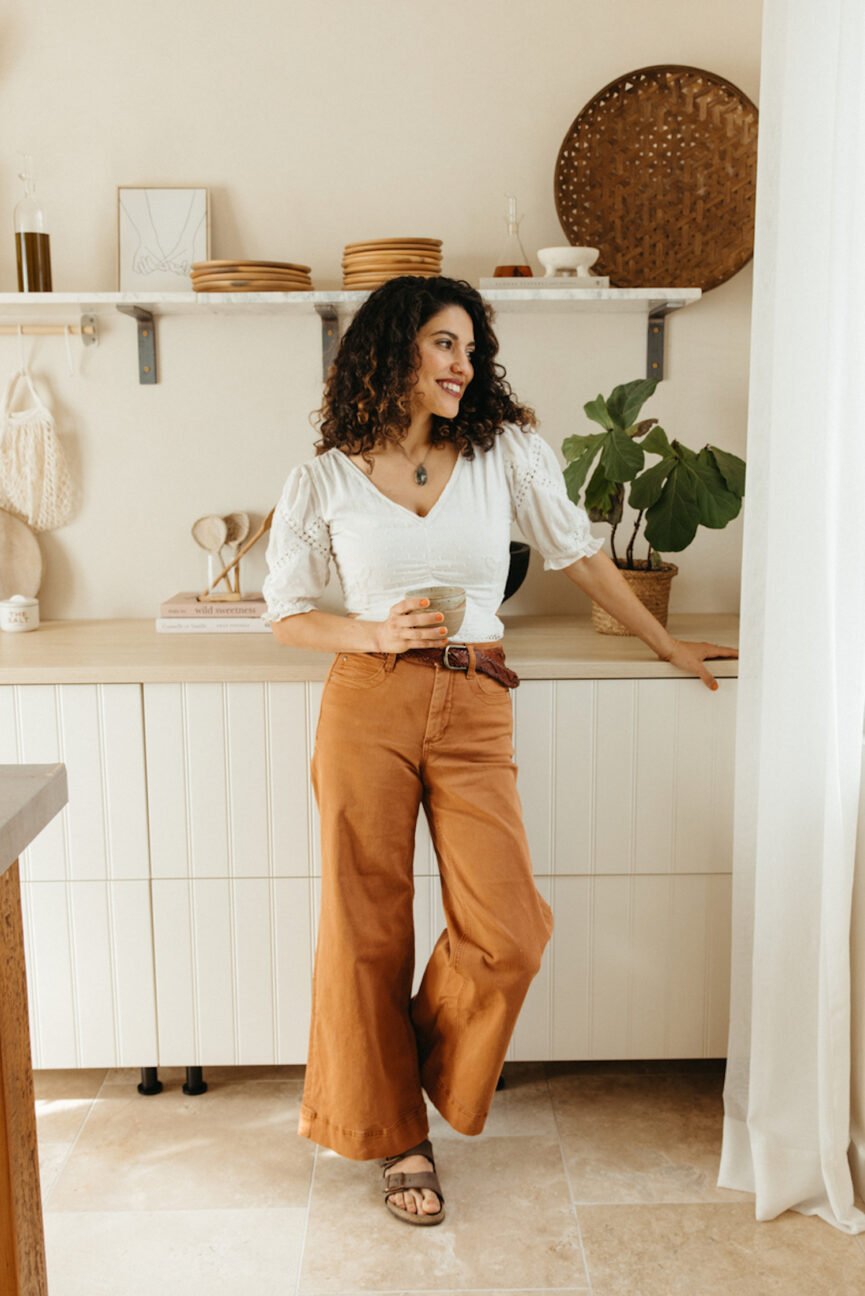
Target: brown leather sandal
(399, 1180)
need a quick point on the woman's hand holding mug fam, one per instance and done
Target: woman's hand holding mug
(408, 627)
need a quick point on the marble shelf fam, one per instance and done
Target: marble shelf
(332, 305)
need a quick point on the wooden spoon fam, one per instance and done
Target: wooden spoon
(210, 532)
(265, 526)
(237, 529)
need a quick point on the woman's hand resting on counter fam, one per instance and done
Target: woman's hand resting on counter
(599, 577)
(689, 655)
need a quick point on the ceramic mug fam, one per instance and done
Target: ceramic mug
(449, 599)
(19, 613)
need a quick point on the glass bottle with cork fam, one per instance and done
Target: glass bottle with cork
(513, 262)
(32, 243)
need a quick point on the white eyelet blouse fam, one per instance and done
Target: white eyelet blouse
(329, 510)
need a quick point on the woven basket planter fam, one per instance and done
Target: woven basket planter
(652, 588)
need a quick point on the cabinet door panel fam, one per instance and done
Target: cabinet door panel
(640, 966)
(90, 973)
(228, 775)
(97, 732)
(233, 970)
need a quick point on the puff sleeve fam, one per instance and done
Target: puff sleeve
(551, 522)
(298, 551)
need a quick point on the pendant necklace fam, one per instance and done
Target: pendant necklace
(420, 473)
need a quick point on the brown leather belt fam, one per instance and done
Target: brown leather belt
(489, 661)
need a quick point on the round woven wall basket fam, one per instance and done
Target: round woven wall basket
(659, 172)
(652, 588)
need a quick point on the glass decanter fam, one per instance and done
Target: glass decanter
(32, 243)
(513, 262)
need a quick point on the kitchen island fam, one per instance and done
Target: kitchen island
(30, 796)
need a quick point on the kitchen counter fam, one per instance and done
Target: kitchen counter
(30, 796)
(131, 651)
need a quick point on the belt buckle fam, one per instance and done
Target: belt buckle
(445, 661)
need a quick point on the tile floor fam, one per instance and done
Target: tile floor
(589, 1178)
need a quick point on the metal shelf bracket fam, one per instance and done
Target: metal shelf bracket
(656, 327)
(329, 334)
(146, 341)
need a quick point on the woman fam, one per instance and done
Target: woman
(424, 461)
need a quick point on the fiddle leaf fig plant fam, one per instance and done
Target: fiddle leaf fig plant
(685, 489)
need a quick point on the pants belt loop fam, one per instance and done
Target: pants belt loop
(391, 662)
(470, 669)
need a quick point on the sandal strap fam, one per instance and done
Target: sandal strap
(397, 1181)
(424, 1148)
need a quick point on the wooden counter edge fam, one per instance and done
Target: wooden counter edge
(132, 652)
(36, 794)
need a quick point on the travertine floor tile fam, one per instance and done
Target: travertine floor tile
(642, 1136)
(82, 1084)
(173, 1253)
(234, 1147)
(713, 1250)
(509, 1224)
(59, 1120)
(51, 1158)
(522, 1107)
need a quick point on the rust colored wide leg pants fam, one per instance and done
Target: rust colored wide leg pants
(394, 735)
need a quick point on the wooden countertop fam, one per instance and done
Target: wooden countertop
(30, 796)
(131, 651)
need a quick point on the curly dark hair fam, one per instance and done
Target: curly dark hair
(367, 390)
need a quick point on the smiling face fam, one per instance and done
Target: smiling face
(446, 344)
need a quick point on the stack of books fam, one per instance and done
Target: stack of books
(184, 614)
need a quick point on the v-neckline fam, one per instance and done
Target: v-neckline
(420, 517)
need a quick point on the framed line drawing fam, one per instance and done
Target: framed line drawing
(161, 230)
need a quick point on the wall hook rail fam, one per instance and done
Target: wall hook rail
(86, 330)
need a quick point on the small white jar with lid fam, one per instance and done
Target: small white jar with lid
(19, 613)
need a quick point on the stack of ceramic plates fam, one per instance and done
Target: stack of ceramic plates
(367, 265)
(250, 276)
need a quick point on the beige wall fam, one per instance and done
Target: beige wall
(315, 125)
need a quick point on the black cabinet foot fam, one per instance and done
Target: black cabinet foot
(149, 1082)
(194, 1083)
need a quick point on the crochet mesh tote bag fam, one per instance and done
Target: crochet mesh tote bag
(35, 481)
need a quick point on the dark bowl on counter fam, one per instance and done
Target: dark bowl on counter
(520, 554)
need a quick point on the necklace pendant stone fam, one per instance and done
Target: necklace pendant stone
(420, 475)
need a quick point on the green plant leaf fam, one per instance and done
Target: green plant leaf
(575, 472)
(646, 489)
(672, 521)
(656, 443)
(573, 447)
(687, 456)
(621, 457)
(626, 401)
(717, 504)
(731, 468)
(603, 497)
(596, 410)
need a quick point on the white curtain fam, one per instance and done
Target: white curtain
(789, 1134)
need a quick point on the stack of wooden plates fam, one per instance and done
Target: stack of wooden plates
(367, 265)
(250, 276)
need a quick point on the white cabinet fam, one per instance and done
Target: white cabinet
(85, 881)
(181, 884)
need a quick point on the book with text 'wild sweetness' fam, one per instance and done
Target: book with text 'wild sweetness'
(211, 625)
(187, 605)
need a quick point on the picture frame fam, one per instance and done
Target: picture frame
(161, 231)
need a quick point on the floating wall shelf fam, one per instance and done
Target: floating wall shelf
(332, 306)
